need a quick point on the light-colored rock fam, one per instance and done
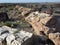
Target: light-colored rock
(11, 30)
(6, 29)
(43, 15)
(1, 41)
(3, 31)
(25, 11)
(2, 38)
(18, 38)
(10, 38)
(16, 43)
(14, 38)
(38, 22)
(55, 37)
(45, 20)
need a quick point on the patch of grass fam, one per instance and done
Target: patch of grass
(10, 24)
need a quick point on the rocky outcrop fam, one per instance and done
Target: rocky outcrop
(11, 36)
(39, 22)
(19, 38)
(45, 25)
(55, 37)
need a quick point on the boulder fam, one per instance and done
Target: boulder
(25, 11)
(55, 37)
(2, 39)
(10, 38)
(3, 31)
(11, 30)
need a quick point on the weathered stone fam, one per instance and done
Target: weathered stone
(25, 11)
(19, 38)
(39, 22)
(16, 43)
(55, 37)
(2, 31)
(11, 30)
(1, 40)
(42, 22)
(10, 38)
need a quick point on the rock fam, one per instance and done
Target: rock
(36, 13)
(10, 38)
(6, 29)
(11, 30)
(1, 40)
(43, 25)
(25, 11)
(39, 22)
(17, 6)
(15, 43)
(25, 38)
(2, 31)
(19, 38)
(3, 36)
(43, 15)
(55, 37)
(45, 20)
